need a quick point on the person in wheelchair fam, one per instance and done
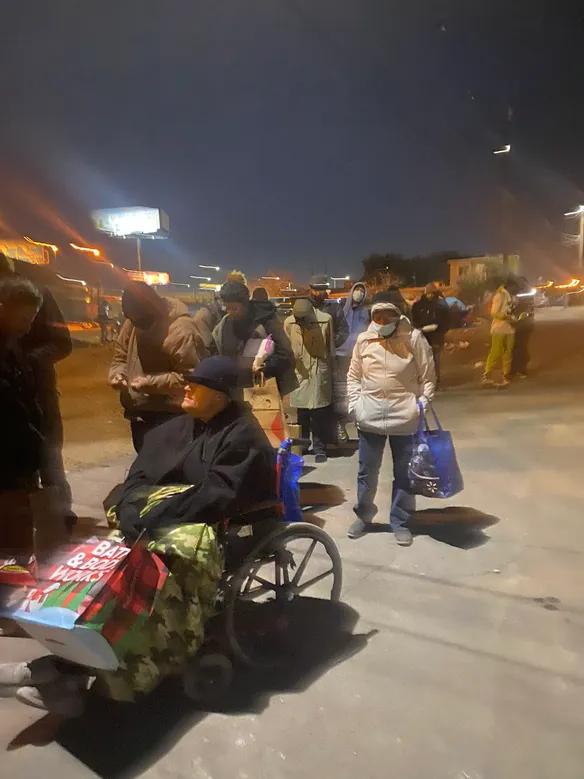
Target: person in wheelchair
(194, 474)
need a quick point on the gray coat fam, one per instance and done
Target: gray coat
(314, 353)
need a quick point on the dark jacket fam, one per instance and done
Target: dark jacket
(228, 460)
(231, 337)
(20, 421)
(47, 343)
(340, 326)
(431, 311)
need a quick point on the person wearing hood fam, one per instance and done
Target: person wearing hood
(157, 344)
(431, 315)
(311, 335)
(357, 317)
(247, 325)
(392, 369)
(319, 297)
(206, 320)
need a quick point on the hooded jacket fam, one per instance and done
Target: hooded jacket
(357, 318)
(228, 461)
(340, 326)
(314, 352)
(387, 377)
(231, 337)
(432, 311)
(206, 320)
(161, 354)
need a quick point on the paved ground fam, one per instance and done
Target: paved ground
(465, 659)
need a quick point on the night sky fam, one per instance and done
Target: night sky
(290, 133)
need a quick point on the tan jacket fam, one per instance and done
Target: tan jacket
(501, 312)
(386, 379)
(314, 352)
(161, 355)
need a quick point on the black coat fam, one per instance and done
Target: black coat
(229, 460)
(435, 311)
(20, 421)
(340, 327)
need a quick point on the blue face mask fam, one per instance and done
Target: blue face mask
(385, 330)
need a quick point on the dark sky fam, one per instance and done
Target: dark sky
(289, 133)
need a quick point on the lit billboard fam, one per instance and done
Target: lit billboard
(138, 221)
(26, 252)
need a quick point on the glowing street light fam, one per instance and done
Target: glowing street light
(95, 252)
(205, 278)
(209, 267)
(503, 150)
(340, 278)
(271, 278)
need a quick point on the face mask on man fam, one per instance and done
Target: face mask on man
(358, 296)
(385, 330)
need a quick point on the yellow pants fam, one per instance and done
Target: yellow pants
(501, 350)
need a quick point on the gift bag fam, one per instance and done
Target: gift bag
(91, 599)
(266, 406)
(433, 468)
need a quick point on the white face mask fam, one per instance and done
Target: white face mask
(385, 330)
(358, 295)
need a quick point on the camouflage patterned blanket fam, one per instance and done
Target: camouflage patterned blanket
(175, 630)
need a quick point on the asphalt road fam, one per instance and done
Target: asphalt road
(458, 658)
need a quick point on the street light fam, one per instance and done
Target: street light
(40, 243)
(580, 213)
(209, 267)
(271, 278)
(503, 150)
(205, 278)
(340, 278)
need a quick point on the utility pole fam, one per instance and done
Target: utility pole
(139, 251)
(579, 212)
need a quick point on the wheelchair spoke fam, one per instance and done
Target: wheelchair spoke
(303, 564)
(250, 580)
(301, 587)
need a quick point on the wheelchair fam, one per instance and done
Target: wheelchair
(268, 567)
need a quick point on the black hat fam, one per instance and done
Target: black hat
(320, 281)
(234, 292)
(217, 373)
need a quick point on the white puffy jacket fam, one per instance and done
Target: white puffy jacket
(387, 377)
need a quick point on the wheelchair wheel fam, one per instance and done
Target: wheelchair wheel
(294, 561)
(207, 678)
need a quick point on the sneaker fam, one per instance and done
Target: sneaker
(403, 536)
(521, 375)
(503, 384)
(320, 457)
(40, 671)
(487, 381)
(62, 697)
(358, 528)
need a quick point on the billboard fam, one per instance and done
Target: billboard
(137, 222)
(26, 252)
(149, 276)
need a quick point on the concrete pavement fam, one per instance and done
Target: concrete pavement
(468, 660)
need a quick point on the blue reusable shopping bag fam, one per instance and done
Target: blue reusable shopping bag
(289, 472)
(433, 469)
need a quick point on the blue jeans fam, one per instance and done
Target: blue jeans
(371, 447)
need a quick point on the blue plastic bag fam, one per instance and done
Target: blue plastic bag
(290, 467)
(433, 470)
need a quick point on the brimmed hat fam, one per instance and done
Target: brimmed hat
(218, 373)
(302, 308)
(320, 281)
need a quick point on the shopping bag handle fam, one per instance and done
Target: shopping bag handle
(424, 418)
(259, 380)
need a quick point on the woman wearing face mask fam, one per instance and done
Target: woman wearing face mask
(357, 317)
(391, 370)
(311, 335)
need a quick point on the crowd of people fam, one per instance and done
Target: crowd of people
(181, 382)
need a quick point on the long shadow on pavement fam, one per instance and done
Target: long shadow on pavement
(120, 740)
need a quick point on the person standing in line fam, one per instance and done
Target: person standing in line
(260, 293)
(103, 320)
(23, 445)
(391, 371)
(525, 315)
(502, 333)
(248, 324)
(158, 342)
(357, 317)
(431, 315)
(311, 335)
(206, 320)
(319, 297)
(47, 342)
